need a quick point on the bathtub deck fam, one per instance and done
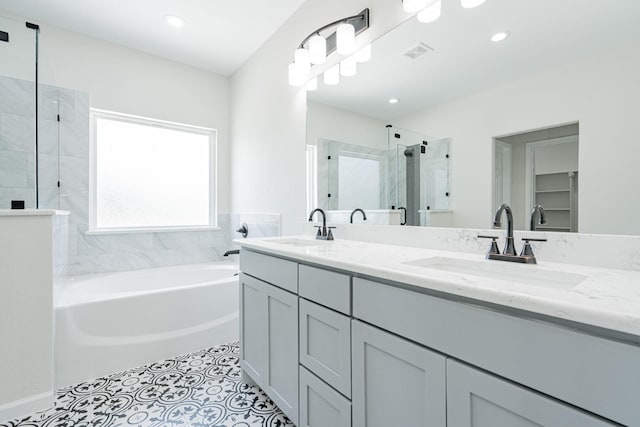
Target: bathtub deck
(198, 389)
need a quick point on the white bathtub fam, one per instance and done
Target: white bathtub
(107, 323)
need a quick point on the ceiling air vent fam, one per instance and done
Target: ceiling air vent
(418, 50)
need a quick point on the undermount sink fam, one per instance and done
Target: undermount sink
(298, 242)
(504, 271)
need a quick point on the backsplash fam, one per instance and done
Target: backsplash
(595, 250)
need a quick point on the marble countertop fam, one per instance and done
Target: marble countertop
(604, 298)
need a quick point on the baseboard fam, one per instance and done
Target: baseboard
(23, 407)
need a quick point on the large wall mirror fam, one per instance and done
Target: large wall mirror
(547, 117)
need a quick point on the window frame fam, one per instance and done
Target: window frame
(96, 114)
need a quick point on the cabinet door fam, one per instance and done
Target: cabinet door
(477, 399)
(281, 374)
(253, 331)
(325, 345)
(395, 382)
(320, 405)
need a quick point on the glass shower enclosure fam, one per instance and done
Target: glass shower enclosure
(29, 122)
(419, 175)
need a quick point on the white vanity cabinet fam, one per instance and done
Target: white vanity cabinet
(269, 331)
(339, 349)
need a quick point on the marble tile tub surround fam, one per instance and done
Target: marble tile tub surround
(585, 296)
(139, 250)
(596, 250)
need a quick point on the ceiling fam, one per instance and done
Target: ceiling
(544, 34)
(219, 35)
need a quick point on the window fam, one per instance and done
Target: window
(149, 174)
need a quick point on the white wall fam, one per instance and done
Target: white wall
(26, 314)
(268, 116)
(327, 122)
(601, 93)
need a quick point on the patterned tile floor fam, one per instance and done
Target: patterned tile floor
(201, 389)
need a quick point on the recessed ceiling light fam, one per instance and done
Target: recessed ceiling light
(500, 36)
(393, 101)
(174, 21)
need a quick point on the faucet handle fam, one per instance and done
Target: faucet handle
(330, 234)
(493, 249)
(319, 227)
(527, 250)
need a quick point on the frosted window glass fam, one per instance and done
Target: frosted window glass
(150, 176)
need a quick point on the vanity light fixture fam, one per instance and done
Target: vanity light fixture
(393, 101)
(500, 36)
(318, 49)
(315, 49)
(346, 39)
(174, 21)
(302, 61)
(413, 6)
(430, 10)
(470, 4)
(431, 13)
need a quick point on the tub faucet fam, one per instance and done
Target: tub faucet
(324, 232)
(364, 215)
(232, 252)
(509, 247)
(537, 210)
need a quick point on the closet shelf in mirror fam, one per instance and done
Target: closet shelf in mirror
(553, 191)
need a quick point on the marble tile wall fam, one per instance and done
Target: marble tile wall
(17, 142)
(329, 175)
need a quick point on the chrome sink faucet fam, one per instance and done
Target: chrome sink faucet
(509, 254)
(364, 215)
(324, 232)
(509, 247)
(537, 213)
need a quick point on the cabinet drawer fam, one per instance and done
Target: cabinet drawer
(277, 271)
(580, 369)
(320, 405)
(325, 345)
(327, 288)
